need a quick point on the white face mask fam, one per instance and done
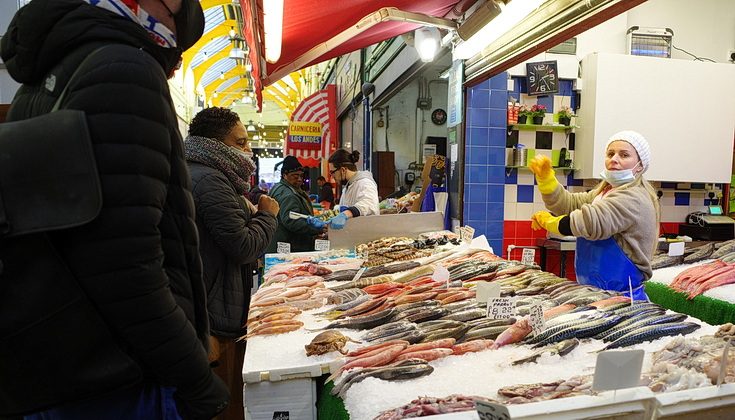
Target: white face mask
(618, 178)
(239, 152)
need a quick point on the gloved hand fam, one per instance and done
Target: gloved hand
(203, 401)
(315, 223)
(338, 221)
(541, 167)
(544, 220)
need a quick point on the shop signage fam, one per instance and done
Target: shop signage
(501, 308)
(305, 135)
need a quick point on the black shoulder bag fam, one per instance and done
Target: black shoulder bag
(54, 346)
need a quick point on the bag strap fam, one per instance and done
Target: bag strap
(76, 73)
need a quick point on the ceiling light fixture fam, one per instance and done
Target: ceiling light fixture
(251, 127)
(273, 28)
(426, 41)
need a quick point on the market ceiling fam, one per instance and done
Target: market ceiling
(317, 30)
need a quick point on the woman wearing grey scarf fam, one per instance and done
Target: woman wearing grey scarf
(233, 235)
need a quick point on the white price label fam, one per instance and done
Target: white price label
(441, 275)
(501, 308)
(321, 245)
(537, 318)
(359, 274)
(283, 248)
(723, 364)
(529, 256)
(487, 290)
(467, 233)
(491, 411)
(617, 369)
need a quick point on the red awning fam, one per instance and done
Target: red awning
(317, 30)
(319, 107)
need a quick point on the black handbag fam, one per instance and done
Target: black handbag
(48, 175)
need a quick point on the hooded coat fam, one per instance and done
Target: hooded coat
(127, 304)
(296, 232)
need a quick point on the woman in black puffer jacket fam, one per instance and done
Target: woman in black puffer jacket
(123, 319)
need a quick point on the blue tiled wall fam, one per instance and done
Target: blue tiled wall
(484, 194)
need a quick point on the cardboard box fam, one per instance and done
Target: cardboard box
(294, 399)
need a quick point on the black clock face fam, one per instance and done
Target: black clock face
(439, 116)
(542, 78)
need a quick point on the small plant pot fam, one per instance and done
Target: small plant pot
(538, 120)
(565, 121)
(522, 119)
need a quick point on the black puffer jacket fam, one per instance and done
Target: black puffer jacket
(137, 262)
(231, 241)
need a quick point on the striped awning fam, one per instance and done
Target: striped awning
(320, 107)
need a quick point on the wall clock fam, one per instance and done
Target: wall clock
(439, 116)
(542, 78)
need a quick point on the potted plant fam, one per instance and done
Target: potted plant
(523, 113)
(538, 112)
(565, 115)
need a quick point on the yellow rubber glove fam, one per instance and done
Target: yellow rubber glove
(541, 166)
(544, 220)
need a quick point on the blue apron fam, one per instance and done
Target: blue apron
(603, 264)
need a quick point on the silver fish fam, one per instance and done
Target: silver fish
(651, 333)
(561, 348)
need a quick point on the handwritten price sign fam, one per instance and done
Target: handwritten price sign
(501, 308)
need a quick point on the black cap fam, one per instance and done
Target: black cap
(291, 164)
(189, 24)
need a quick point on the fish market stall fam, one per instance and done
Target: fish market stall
(704, 288)
(411, 335)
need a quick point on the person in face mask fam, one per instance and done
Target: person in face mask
(126, 286)
(233, 234)
(359, 191)
(300, 233)
(616, 223)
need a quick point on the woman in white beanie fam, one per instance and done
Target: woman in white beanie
(616, 224)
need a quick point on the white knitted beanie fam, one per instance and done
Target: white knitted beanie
(638, 142)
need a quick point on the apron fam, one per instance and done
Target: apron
(603, 264)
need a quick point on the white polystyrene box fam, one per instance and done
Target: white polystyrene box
(292, 400)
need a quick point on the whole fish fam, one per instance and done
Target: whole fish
(561, 348)
(466, 314)
(584, 330)
(388, 329)
(411, 336)
(483, 333)
(391, 373)
(614, 334)
(455, 333)
(363, 323)
(514, 333)
(652, 332)
(438, 324)
(555, 328)
(345, 296)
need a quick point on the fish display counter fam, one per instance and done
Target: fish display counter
(411, 336)
(700, 283)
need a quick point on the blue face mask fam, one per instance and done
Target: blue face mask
(618, 178)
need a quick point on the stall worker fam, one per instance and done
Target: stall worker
(299, 232)
(326, 195)
(616, 223)
(359, 191)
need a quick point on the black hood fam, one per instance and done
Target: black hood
(44, 31)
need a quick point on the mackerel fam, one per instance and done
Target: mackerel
(584, 330)
(388, 329)
(412, 336)
(616, 333)
(490, 333)
(466, 314)
(651, 333)
(391, 374)
(455, 333)
(548, 332)
(438, 324)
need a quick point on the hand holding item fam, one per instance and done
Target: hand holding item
(315, 223)
(545, 176)
(545, 220)
(266, 203)
(338, 221)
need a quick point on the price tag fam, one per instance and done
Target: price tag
(467, 233)
(321, 245)
(617, 369)
(441, 275)
(529, 256)
(491, 411)
(359, 274)
(723, 364)
(501, 308)
(487, 290)
(676, 249)
(283, 248)
(537, 318)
